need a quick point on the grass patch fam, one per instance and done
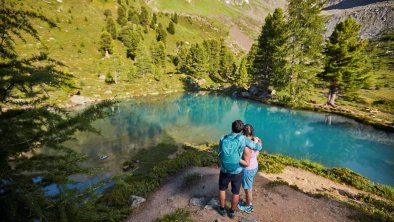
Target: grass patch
(180, 215)
(275, 163)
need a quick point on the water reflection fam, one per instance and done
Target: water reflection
(328, 139)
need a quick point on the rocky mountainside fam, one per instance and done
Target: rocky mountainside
(375, 16)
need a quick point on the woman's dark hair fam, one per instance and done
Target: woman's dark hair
(237, 126)
(248, 130)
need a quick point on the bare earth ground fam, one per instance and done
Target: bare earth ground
(280, 203)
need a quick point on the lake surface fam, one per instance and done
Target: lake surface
(327, 139)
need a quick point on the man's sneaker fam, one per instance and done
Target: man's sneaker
(231, 213)
(246, 209)
(222, 211)
(241, 203)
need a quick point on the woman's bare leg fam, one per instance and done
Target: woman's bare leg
(249, 198)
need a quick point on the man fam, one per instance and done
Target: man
(231, 148)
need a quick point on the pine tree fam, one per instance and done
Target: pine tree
(130, 14)
(153, 21)
(132, 73)
(107, 13)
(161, 33)
(196, 61)
(346, 61)
(306, 28)
(143, 61)
(171, 28)
(106, 43)
(158, 55)
(122, 19)
(135, 19)
(175, 18)
(243, 78)
(181, 58)
(130, 38)
(212, 48)
(144, 17)
(227, 67)
(270, 59)
(111, 27)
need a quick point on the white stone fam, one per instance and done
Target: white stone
(108, 92)
(80, 100)
(136, 201)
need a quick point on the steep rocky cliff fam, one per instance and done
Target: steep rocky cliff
(375, 16)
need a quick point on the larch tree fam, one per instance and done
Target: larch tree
(346, 63)
(111, 27)
(106, 43)
(306, 28)
(270, 59)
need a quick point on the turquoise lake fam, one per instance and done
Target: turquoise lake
(327, 139)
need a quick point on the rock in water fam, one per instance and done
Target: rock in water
(245, 94)
(136, 201)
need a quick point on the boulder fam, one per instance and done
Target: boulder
(197, 201)
(108, 92)
(213, 204)
(245, 94)
(201, 82)
(80, 100)
(136, 201)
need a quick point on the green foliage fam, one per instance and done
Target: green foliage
(243, 77)
(306, 28)
(29, 76)
(21, 198)
(171, 28)
(276, 163)
(107, 13)
(144, 17)
(106, 43)
(132, 74)
(181, 57)
(131, 39)
(346, 60)
(143, 61)
(227, 66)
(196, 61)
(153, 21)
(161, 33)
(179, 215)
(270, 59)
(111, 27)
(122, 17)
(158, 54)
(109, 79)
(213, 49)
(135, 19)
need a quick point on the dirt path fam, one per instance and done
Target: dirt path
(280, 203)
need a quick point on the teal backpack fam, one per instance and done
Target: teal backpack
(229, 153)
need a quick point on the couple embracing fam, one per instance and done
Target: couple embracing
(238, 159)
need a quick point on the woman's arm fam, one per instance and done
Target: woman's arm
(246, 157)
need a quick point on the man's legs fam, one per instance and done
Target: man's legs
(222, 198)
(234, 202)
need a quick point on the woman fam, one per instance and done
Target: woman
(251, 166)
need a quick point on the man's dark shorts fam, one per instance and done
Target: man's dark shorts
(235, 179)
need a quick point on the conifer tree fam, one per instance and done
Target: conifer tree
(111, 27)
(106, 43)
(243, 77)
(212, 48)
(161, 33)
(130, 38)
(346, 61)
(306, 28)
(158, 54)
(130, 14)
(175, 18)
(107, 13)
(143, 61)
(153, 21)
(196, 61)
(171, 28)
(144, 17)
(135, 19)
(181, 58)
(227, 67)
(122, 19)
(270, 60)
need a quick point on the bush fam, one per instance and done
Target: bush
(109, 79)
